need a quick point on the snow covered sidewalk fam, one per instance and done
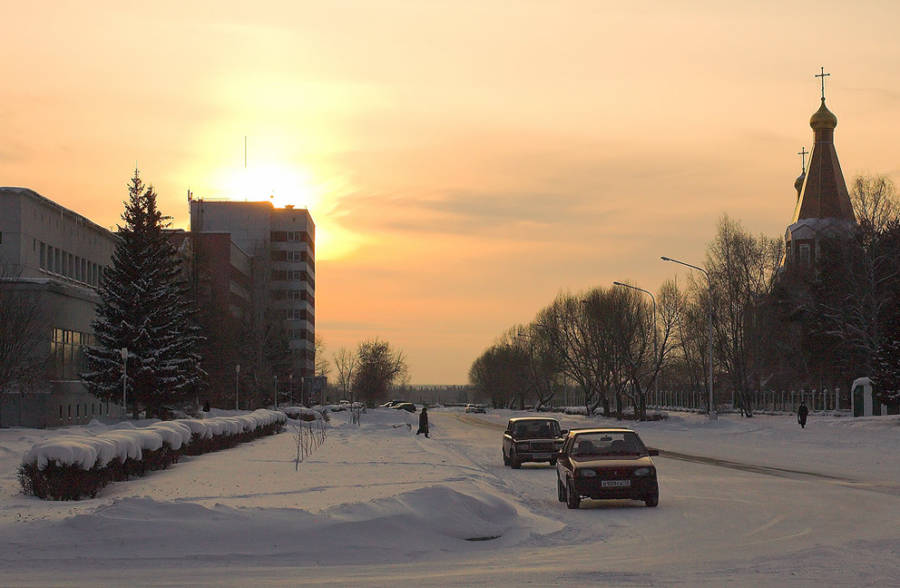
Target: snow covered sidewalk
(371, 493)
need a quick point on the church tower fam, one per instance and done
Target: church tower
(823, 207)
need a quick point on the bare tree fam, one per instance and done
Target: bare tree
(565, 325)
(345, 362)
(544, 362)
(379, 366)
(24, 333)
(499, 374)
(875, 202)
(741, 270)
(323, 368)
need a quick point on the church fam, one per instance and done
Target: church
(823, 209)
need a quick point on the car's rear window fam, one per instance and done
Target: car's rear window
(536, 429)
(623, 443)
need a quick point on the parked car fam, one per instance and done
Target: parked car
(531, 439)
(391, 403)
(407, 406)
(605, 464)
(474, 408)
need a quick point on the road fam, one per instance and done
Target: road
(722, 517)
(730, 516)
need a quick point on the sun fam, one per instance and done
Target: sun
(284, 184)
(277, 183)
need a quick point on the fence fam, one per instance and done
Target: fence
(696, 400)
(761, 400)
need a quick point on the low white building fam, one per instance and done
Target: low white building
(54, 258)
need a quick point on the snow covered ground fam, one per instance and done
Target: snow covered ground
(743, 502)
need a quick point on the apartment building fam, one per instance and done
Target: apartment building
(281, 243)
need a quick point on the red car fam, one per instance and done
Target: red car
(605, 464)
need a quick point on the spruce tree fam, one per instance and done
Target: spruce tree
(144, 308)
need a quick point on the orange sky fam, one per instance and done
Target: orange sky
(463, 161)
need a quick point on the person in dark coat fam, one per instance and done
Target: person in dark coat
(802, 413)
(423, 422)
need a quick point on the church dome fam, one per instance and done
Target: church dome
(798, 183)
(823, 118)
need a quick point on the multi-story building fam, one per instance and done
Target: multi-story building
(220, 277)
(281, 242)
(53, 258)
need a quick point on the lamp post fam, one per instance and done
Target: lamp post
(655, 351)
(291, 387)
(522, 335)
(276, 392)
(712, 410)
(237, 373)
(124, 353)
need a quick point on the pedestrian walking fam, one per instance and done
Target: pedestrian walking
(423, 421)
(802, 413)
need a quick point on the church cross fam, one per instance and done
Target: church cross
(802, 153)
(822, 75)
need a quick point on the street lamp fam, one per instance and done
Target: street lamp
(124, 353)
(291, 387)
(237, 372)
(655, 357)
(276, 392)
(712, 410)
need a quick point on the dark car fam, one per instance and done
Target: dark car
(531, 439)
(604, 464)
(407, 406)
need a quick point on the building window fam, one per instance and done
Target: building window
(804, 254)
(43, 256)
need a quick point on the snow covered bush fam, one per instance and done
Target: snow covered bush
(70, 467)
(304, 414)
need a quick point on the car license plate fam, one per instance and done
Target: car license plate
(541, 456)
(615, 483)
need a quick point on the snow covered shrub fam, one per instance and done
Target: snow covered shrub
(60, 482)
(70, 467)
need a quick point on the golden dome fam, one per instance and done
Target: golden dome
(823, 118)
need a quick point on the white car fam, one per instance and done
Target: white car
(474, 408)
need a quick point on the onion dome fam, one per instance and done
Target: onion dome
(823, 118)
(798, 183)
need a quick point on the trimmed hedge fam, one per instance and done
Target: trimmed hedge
(58, 480)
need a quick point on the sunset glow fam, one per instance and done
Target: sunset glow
(462, 163)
